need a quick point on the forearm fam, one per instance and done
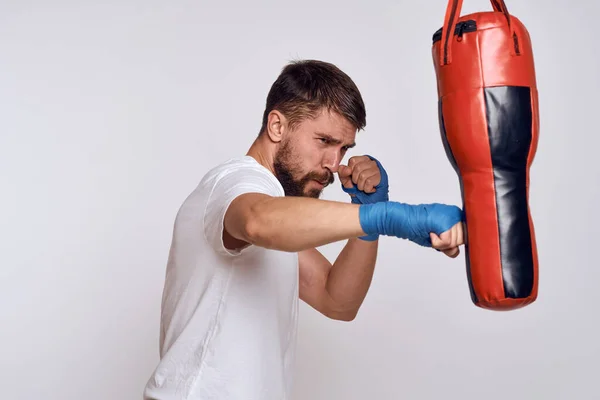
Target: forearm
(292, 223)
(351, 275)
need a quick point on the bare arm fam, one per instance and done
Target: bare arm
(299, 224)
(338, 290)
(289, 224)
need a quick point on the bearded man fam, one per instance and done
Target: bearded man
(244, 243)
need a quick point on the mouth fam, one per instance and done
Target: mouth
(322, 180)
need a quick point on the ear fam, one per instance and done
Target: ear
(276, 126)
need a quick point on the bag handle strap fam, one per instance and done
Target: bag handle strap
(451, 19)
(497, 6)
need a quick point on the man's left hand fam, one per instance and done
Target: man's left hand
(449, 242)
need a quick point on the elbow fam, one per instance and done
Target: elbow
(255, 229)
(260, 229)
(345, 315)
(251, 230)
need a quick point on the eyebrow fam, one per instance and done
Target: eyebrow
(334, 140)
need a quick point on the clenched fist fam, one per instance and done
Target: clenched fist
(431, 225)
(449, 241)
(365, 179)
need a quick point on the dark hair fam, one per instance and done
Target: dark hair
(305, 87)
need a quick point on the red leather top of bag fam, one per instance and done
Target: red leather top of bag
(483, 58)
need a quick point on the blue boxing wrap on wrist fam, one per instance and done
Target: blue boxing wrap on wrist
(412, 222)
(381, 190)
(381, 194)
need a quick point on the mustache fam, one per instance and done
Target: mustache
(326, 178)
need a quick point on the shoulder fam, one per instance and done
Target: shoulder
(243, 163)
(243, 170)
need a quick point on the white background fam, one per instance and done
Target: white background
(111, 112)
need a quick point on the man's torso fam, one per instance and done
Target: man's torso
(228, 322)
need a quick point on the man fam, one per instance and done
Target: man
(244, 243)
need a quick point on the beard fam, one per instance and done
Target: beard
(287, 168)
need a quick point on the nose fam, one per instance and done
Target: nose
(331, 160)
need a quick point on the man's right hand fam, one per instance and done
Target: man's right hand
(365, 179)
(430, 225)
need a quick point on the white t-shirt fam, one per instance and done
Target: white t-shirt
(229, 318)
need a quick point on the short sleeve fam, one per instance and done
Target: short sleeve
(227, 186)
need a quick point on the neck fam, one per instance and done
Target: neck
(261, 154)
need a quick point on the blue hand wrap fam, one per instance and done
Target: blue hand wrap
(381, 194)
(381, 190)
(412, 222)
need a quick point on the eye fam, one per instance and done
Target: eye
(323, 140)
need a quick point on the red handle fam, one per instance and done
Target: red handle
(450, 20)
(497, 6)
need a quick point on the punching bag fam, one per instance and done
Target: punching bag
(488, 117)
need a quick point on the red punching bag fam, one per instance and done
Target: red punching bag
(489, 124)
